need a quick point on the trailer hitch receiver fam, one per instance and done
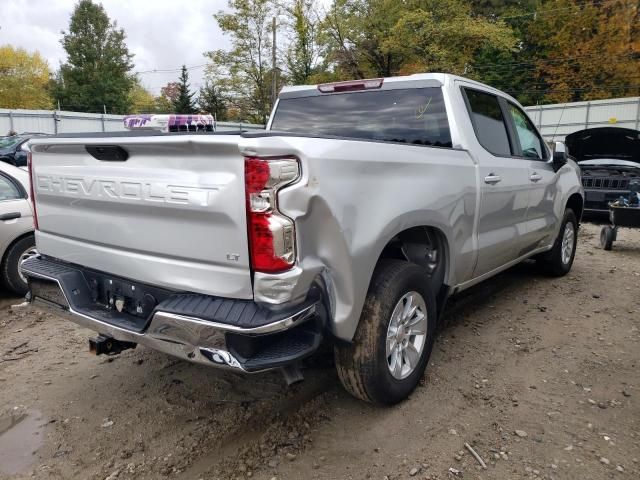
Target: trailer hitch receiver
(102, 345)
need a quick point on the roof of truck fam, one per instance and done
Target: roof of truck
(416, 80)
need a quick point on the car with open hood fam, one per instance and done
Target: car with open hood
(609, 159)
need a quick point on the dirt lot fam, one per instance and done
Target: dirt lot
(540, 376)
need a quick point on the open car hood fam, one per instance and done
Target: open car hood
(605, 143)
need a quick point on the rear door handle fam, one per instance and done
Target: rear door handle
(10, 216)
(492, 179)
(535, 177)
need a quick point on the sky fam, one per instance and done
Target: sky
(162, 34)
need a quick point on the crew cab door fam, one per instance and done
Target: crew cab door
(504, 182)
(531, 149)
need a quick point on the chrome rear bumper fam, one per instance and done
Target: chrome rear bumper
(191, 338)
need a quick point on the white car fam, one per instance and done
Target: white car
(17, 242)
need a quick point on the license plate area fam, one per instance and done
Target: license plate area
(121, 296)
(101, 296)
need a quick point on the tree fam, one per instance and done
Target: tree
(443, 36)
(24, 79)
(500, 8)
(353, 32)
(512, 71)
(211, 100)
(141, 100)
(589, 50)
(367, 38)
(245, 70)
(304, 53)
(97, 72)
(183, 102)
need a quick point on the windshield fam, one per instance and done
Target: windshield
(8, 142)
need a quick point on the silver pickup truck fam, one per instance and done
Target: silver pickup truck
(351, 219)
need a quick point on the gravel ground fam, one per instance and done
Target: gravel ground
(539, 376)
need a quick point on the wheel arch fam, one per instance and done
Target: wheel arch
(576, 203)
(13, 242)
(427, 246)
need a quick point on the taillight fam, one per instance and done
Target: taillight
(32, 180)
(271, 234)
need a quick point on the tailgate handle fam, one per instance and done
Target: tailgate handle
(10, 216)
(107, 153)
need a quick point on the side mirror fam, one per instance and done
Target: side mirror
(560, 155)
(20, 158)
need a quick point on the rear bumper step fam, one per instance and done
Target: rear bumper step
(227, 333)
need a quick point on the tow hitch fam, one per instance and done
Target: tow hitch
(102, 345)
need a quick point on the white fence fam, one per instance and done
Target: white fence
(47, 121)
(554, 121)
(557, 121)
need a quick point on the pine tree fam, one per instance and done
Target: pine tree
(97, 73)
(184, 102)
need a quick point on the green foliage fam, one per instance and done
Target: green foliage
(303, 55)
(512, 71)
(212, 100)
(354, 33)
(98, 67)
(444, 36)
(141, 100)
(183, 102)
(245, 70)
(498, 8)
(388, 37)
(536, 50)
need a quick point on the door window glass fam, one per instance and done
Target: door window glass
(530, 142)
(8, 191)
(488, 122)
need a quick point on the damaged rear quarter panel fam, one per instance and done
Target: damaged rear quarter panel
(355, 196)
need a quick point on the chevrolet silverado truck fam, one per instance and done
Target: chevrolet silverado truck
(350, 219)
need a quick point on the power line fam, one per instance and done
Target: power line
(555, 10)
(534, 63)
(587, 89)
(171, 70)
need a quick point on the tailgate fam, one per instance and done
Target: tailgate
(172, 214)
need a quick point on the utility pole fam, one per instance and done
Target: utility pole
(274, 70)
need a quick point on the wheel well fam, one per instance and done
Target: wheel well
(425, 246)
(16, 240)
(576, 203)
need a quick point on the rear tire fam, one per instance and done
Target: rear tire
(365, 367)
(558, 261)
(607, 236)
(10, 270)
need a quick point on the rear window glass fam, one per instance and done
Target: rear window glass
(414, 116)
(489, 122)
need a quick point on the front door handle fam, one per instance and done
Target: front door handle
(10, 216)
(492, 179)
(535, 177)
